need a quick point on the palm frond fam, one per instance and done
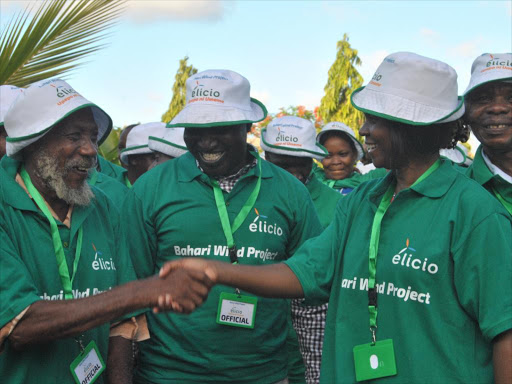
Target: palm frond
(55, 39)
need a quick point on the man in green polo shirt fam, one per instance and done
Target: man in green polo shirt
(289, 142)
(59, 250)
(219, 201)
(489, 113)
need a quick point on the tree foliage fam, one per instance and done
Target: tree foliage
(108, 149)
(55, 39)
(179, 90)
(343, 79)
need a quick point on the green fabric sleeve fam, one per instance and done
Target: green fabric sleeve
(316, 260)
(482, 279)
(138, 235)
(16, 288)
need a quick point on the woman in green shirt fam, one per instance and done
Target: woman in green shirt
(344, 151)
(425, 248)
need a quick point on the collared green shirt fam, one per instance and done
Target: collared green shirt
(345, 186)
(114, 190)
(171, 213)
(443, 279)
(324, 199)
(480, 172)
(111, 169)
(28, 273)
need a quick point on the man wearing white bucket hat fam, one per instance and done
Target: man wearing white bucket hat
(289, 142)
(343, 152)
(489, 113)
(137, 155)
(222, 202)
(8, 93)
(168, 147)
(54, 323)
(412, 247)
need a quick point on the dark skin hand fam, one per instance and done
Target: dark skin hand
(120, 361)
(43, 322)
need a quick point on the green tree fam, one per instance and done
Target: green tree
(179, 90)
(343, 79)
(53, 40)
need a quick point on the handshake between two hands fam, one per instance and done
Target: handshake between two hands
(184, 284)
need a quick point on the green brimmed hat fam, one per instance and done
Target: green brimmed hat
(218, 98)
(490, 67)
(8, 94)
(41, 106)
(411, 89)
(171, 144)
(137, 141)
(340, 127)
(292, 136)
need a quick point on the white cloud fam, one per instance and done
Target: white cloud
(370, 63)
(430, 36)
(468, 49)
(180, 10)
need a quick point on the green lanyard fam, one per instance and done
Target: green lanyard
(506, 204)
(127, 182)
(240, 218)
(67, 283)
(94, 178)
(374, 246)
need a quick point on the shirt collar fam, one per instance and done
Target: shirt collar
(434, 186)
(495, 170)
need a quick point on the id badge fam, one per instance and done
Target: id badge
(88, 365)
(374, 361)
(236, 310)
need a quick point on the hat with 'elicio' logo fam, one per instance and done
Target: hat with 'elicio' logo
(138, 138)
(292, 136)
(218, 98)
(171, 144)
(490, 67)
(340, 127)
(8, 94)
(411, 89)
(42, 105)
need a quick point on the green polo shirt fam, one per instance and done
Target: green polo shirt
(171, 213)
(345, 186)
(28, 273)
(443, 275)
(324, 199)
(480, 172)
(114, 190)
(111, 169)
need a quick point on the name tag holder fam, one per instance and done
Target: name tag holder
(237, 310)
(88, 365)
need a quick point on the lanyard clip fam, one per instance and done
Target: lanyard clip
(80, 344)
(373, 330)
(232, 255)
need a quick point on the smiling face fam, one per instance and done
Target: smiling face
(300, 167)
(220, 151)
(377, 137)
(489, 112)
(339, 163)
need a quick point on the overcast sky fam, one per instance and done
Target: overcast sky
(284, 48)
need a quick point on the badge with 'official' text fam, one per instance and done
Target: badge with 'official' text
(88, 365)
(236, 310)
(373, 361)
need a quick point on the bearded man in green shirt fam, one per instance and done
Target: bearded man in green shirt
(59, 256)
(222, 202)
(489, 113)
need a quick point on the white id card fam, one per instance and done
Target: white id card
(88, 365)
(236, 310)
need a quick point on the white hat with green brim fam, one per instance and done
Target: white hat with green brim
(411, 89)
(8, 94)
(41, 106)
(340, 127)
(490, 67)
(171, 144)
(218, 98)
(458, 154)
(138, 138)
(292, 136)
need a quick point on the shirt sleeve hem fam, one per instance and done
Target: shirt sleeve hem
(498, 329)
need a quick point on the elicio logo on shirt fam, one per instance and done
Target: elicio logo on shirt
(406, 258)
(260, 224)
(101, 264)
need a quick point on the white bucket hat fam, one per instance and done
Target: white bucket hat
(459, 154)
(292, 136)
(8, 93)
(411, 89)
(337, 126)
(217, 98)
(41, 106)
(138, 137)
(171, 144)
(490, 67)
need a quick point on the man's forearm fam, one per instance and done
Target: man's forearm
(120, 361)
(502, 358)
